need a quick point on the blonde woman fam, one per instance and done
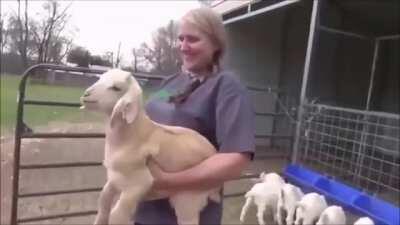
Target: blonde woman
(210, 100)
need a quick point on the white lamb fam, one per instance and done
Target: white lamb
(309, 208)
(364, 221)
(264, 195)
(131, 140)
(288, 197)
(333, 215)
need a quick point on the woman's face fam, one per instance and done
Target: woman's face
(196, 48)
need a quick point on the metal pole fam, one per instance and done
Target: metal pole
(390, 37)
(373, 68)
(17, 146)
(306, 72)
(337, 31)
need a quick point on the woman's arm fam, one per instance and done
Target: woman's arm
(210, 173)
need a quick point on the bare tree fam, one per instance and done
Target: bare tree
(4, 34)
(23, 30)
(163, 53)
(48, 32)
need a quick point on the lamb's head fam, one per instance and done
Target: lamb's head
(116, 93)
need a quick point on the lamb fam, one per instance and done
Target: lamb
(288, 197)
(333, 215)
(364, 221)
(132, 141)
(264, 195)
(309, 208)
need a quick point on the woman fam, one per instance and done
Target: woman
(209, 100)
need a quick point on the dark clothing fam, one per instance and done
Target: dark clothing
(219, 109)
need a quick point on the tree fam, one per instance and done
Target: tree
(4, 34)
(163, 54)
(42, 37)
(48, 33)
(100, 60)
(79, 56)
(23, 30)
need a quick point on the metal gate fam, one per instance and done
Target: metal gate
(359, 147)
(23, 132)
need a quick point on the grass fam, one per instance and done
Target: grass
(38, 115)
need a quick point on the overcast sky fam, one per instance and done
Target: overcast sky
(103, 24)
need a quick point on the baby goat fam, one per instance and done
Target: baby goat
(333, 215)
(288, 197)
(264, 195)
(309, 208)
(131, 140)
(364, 221)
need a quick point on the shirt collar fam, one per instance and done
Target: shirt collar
(193, 76)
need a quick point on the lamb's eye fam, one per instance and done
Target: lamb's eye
(115, 88)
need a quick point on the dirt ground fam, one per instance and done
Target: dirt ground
(36, 151)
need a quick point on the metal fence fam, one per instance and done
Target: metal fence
(357, 147)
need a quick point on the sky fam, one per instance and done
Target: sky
(101, 25)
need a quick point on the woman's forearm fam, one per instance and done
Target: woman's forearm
(212, 172)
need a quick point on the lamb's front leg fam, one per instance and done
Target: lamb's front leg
(105, 200)
(126, 206)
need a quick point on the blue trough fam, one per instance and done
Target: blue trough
(382, 212)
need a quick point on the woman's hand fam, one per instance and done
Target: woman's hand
(162, 179)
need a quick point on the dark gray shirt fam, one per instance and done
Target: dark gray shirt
(220, 110)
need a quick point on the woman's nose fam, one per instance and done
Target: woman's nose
(184, 46)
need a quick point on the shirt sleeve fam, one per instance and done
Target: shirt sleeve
(234, 117)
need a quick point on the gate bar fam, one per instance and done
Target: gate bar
(19, 132)
(64, 215)
(59, 165)
(63, 135)
(36, 194)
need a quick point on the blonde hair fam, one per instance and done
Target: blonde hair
(210, 23)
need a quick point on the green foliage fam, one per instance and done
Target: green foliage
(80, 56)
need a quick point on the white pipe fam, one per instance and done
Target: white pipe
(371, 80)
(259, 11)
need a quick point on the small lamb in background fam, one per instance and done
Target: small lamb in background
(309, 208)
(288, 197)
(364, 221)
(264, 195)
(333, 215)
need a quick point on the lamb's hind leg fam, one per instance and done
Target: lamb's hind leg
(245, 208)
(104, 205)
(188, 207)
(126, 206)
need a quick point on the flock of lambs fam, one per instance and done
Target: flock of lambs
(287, 200)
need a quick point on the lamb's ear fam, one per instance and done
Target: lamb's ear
(128, 105)
(282, 194)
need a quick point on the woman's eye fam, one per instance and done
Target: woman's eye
(115, 88)
(188, 38)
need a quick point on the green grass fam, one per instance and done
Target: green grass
(39, 115)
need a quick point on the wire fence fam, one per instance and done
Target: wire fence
(357, 147)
